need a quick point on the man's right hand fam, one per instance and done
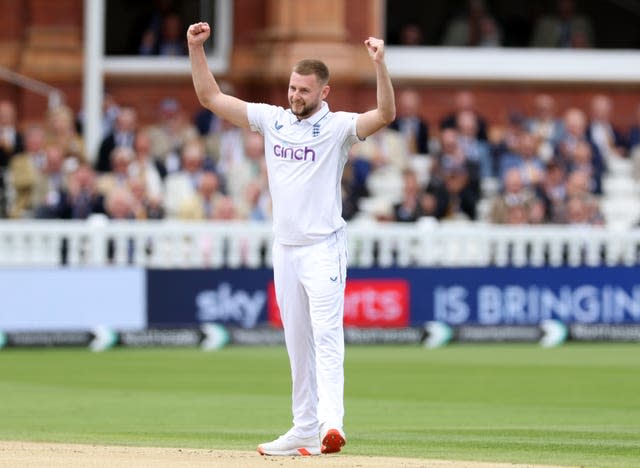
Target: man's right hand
(198, 33)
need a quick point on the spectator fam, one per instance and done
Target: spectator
(527, 160)
(474, 149)
(633, 140)
(256, 204)
(170, 134)
(169, 39)
(601, 131)
(476, 27)
(380, 160)
(121, 157)
(146, 206)
(554, 190)
(229, 148)
(182, 185)
(146, 167)
(514, 193)
(61, 131)
(11, 141)
(453, 188)
(51, 185)
(411, 35)
(24, 171)
(251, 168)
(408, 210)
(10, 144)
(82, 198)
(566, 28)
(465, 101)
(633, 143)
(123, 135)
(545, 125)
(120, 205)
(203, 203)
(578, 187)
(575, 126)
(110, 111)
(225, 209)
(410, 123)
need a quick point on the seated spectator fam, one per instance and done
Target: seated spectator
(380, 160)
(474, 149)
(120, 204)
(633, 139)
(514, 193)
(51, 185)
(24, 171)
(82, 197)
(575, 126)
(61, 131)
(408, 210)
(578, 186)
(202, 204)
(566, 28)
(465, 101)
(182, 185)
(11, 141)
(250, 168)
(476, 27)
(410, 123)
(453, 189)
(170, 133)
(147, 207)
(545, 125)
(554, 190)
(256, 204)
(123, 134)
(146, 167)
(526, 159)
(229, 148)
(601, 131)
(225, 210)
(169, 39)
(121, 157)
(633, 143)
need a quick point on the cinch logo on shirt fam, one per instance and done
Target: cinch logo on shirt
(293, 153)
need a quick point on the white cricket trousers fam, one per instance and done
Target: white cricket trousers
(309, 283)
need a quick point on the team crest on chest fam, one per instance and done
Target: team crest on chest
(316, 130)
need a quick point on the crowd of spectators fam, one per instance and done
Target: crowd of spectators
(545, 166)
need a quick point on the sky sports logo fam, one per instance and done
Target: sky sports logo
(294, 153)
(368, 303)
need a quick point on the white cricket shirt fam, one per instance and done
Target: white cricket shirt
(305, 160)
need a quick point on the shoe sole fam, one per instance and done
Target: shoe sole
(303, 452)
(333, 441)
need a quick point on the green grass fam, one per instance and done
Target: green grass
(574, 405)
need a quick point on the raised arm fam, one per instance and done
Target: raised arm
(373, 120)
(227, 107)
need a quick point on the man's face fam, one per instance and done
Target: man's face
(305, 94)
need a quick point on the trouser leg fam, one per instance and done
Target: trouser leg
(294, 311)
(324, 281)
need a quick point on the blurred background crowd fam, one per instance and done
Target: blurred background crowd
(542, 165)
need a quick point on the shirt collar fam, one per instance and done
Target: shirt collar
(312, 119)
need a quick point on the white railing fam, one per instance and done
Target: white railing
(175, 244)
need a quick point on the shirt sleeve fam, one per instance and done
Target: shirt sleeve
(351, 136)
(258, 114)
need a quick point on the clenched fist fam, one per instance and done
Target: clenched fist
(375, 47)
(198, 33)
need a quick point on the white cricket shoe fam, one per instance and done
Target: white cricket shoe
(289, 444)
(333, 439)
